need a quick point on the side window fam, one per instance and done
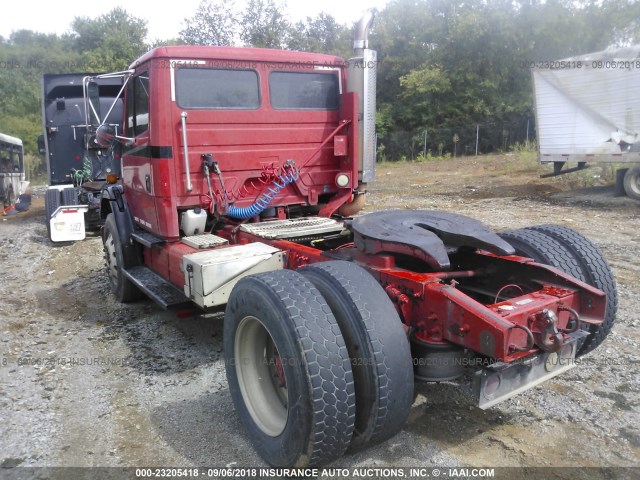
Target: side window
(6, 165)
(138, 105)
(10, 158)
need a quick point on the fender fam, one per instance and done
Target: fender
(113, 201)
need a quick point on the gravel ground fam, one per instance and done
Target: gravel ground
(86, 381)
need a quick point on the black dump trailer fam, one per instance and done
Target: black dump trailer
(77, 167)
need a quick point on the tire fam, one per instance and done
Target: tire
(596, 272)
(543, 249)
(378, 347)
(572, 253)
(288, 370)
(546, 250)
(69, 196)
(122, 288)
(631, 182)
(51, 203)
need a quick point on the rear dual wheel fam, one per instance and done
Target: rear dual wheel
(572, 253)
(317, 363)
(288, 370)
(53, 199)
(69, 196)
(378, 348)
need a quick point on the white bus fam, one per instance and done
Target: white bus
(12, 179)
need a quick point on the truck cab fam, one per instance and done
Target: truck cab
(254, 116)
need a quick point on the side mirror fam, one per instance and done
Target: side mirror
(106, 135)
(93, 96)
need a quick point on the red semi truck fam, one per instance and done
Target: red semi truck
(242, 171)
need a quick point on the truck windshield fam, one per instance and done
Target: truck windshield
(303, 91)
(210, 88)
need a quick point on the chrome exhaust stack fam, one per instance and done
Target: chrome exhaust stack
(361, 79)
(361, 33)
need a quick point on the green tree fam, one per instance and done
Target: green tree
(167, 42)
(321, 34)
(445, 66)
(25, 56)
(111, 41)
(263, 25)
(215, 23)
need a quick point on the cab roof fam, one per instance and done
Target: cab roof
(239, 54)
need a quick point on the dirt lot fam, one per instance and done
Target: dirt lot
(85, 381)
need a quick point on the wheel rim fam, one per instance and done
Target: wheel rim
(261, 376)
(112, 261)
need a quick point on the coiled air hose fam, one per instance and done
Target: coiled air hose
(264, 200)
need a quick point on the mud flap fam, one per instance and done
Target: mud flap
(501, 381)
(67, 223)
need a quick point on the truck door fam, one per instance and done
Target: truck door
(137, 171)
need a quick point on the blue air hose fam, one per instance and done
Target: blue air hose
(264, 200)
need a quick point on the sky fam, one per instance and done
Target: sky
(164, 19)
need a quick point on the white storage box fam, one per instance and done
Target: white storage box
(211, 275)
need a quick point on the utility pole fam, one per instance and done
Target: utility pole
(478, 137)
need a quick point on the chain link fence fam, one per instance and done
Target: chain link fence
(485, 137)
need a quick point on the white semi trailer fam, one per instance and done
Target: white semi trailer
(588, 111)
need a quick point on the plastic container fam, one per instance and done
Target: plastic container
(193, 221)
